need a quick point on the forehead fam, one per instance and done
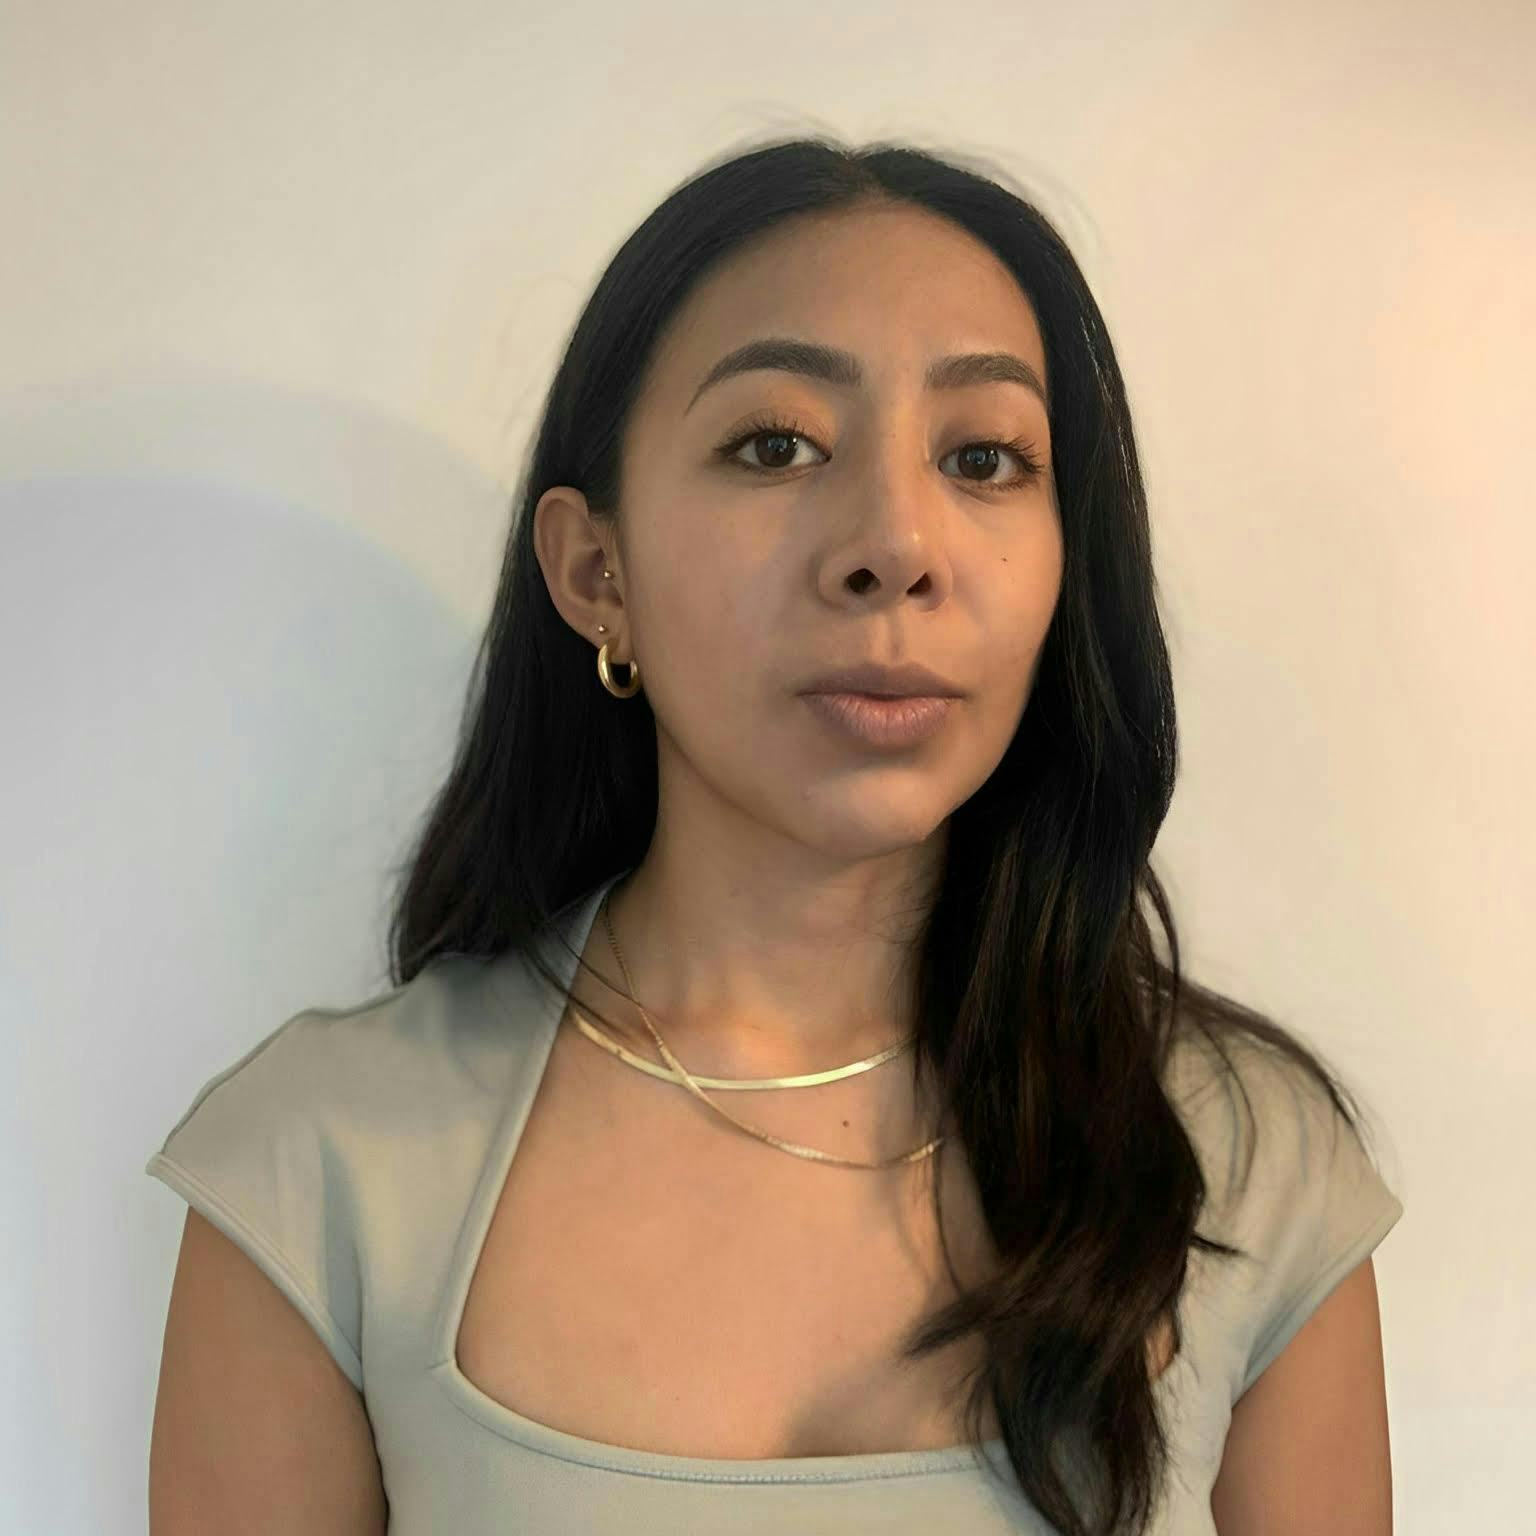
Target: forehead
(894, 285)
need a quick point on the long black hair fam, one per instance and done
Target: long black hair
(1042, 1009)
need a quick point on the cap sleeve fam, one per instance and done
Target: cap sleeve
(1311, 1209)
(254, 1155)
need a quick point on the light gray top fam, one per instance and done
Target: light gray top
(356, 1155)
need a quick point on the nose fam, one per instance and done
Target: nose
(891, 547)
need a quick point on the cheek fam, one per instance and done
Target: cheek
(1012, 631)
(710, 651)
(1024, 604)
(702, 603)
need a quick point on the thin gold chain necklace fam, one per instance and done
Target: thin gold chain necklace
(680, 1073)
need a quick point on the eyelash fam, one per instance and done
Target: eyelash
(770, 426)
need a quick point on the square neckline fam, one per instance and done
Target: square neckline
(575, 922)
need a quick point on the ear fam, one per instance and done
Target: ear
(573, 549)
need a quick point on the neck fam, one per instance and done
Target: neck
(747, 970)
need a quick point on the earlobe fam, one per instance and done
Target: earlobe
(1160, 1349)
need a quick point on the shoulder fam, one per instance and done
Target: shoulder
(455, 1025)
(327, 1060)
(1265, 1127)
(1290, 1182)
(314, 1142)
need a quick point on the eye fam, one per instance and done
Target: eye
(784, 435)
(983, 456)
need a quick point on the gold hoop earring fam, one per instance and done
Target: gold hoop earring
(605, 672)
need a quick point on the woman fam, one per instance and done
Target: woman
(818, 743)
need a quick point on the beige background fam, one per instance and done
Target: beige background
(281, 286)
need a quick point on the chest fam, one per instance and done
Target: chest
(654, 1278)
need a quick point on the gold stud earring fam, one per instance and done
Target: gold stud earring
(602, 629)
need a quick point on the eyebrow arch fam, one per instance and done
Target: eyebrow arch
(835, 366)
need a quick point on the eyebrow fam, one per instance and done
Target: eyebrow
(835, 366)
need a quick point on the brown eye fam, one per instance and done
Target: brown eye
(780, 451)
(780, 439)
(983, 458)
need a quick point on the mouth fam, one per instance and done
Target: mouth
(882, 720)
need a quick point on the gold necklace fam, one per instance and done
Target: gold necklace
(680, 1073)
(595, 1033)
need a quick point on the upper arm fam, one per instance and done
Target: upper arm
(256, 1429)
(1307, 1449)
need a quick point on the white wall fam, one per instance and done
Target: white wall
(280, 288)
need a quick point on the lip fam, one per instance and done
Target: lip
(906, 681)
(881, 722)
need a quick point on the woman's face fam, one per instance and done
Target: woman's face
(777, 525)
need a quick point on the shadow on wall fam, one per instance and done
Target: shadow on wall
(223, 715)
